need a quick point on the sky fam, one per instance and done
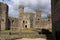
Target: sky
(29, 6)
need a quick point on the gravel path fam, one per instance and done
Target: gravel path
(32, 39)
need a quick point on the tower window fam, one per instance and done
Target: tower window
(2, 19)
(23, 21)
(12, 21)
(38, 19)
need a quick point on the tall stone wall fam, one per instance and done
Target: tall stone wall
(4, 15)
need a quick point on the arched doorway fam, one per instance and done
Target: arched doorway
(25, 26)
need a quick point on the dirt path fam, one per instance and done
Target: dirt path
(32, 39)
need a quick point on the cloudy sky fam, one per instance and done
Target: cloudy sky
(30, 5)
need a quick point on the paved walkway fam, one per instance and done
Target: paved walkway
(32, 39)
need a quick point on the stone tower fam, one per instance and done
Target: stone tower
(21, 13)
(38, 18)
(3, 16)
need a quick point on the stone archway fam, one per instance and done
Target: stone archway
(25, 26)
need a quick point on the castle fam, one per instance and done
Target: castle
(25, 20)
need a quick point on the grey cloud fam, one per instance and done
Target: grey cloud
(30, 5)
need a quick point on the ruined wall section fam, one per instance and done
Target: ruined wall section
(4, 16)
(13, 23)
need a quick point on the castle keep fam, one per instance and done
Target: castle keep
(24, 21)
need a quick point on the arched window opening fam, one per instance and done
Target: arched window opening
(25, 26)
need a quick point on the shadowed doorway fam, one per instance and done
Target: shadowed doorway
(9, 24)
(25, 26)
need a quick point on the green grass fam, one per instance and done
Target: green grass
(25, 30)
(28, 30)
(4, 36)
(11, 31)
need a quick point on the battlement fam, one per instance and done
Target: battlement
(21, 6)
(38, 10)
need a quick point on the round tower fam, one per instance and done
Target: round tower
(38, 18)
(21, 13)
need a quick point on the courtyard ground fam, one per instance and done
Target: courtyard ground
(32, 39)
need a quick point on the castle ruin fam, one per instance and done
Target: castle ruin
(25, 20)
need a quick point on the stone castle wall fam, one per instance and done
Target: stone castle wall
(3, 16)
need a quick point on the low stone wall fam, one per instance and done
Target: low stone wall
(4, 33)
